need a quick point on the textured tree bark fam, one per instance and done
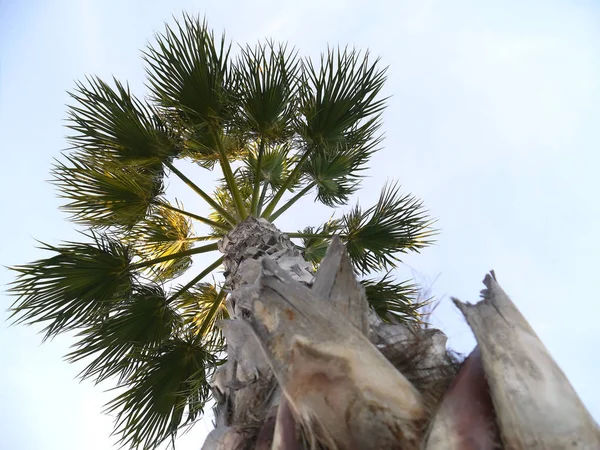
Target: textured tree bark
(311, 366)
(536, 406)
(245, 389)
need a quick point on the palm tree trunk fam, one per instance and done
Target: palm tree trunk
(311, 366)
(245, 389)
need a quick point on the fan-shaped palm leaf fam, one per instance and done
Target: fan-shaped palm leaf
(113, 123)
(76, 287)
(337, 173)
(164, 232)
(274, 168)
(142, 321)
(189, 75)
(201, 307)
(390, 298)
(338, 96)
(396, 224)
(104, 193)
(339, 107)
(266, 81)
(171, 381)
(316, 240)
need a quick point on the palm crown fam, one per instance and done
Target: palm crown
(279, 127)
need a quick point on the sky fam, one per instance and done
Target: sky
(492, 121)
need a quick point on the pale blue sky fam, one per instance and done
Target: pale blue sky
(493, 122)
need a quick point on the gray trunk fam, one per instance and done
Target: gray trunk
(311, 366)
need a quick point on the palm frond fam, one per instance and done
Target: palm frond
(134, 325)
(201, 147)
(315, 241)
(392, 299)
(112, 122)
(274, 168)
(337, 172)
(164, 232)
(170, 383)
(396, 224)
(267, 81)
(75, 287)
(105, 193)
(189, 75)
(337, 97)
(202, 307)
(224, 198)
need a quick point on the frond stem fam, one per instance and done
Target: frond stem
(230, 180)
(228, 217)
(196, 279)
(211, 313)
(273, 203)
(212, 223)
(193, 251)
(261, 201)
(311, 235)
(257, 178)
(290, 202)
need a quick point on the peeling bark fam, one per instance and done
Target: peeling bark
(466, 418)
(336, 284)
(245, 389)
(329, 370)
(310, 366)
(536, 406)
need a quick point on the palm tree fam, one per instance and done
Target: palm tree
(279, 128)
(295, 351)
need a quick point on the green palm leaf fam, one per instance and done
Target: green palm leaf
(267, 86)
(315, 241)
(225, 199)
(105, 193)
(164, 232)
(189, 75)
(274, 168)
(140, 322)
(339, 111)
(335, 175)
(337, 172)
(76, 287)
(337, 97)
(171, 381)
(396, 224)
(201, 147)
(113, 123)
(391, 299)
(202, 307)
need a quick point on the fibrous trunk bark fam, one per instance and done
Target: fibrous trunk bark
(310, 365)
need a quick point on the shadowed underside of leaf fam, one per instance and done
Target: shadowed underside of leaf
(103, 193)
(114, 124)
(169, 383)
(133, 327)
(396, 224)
(75, 287)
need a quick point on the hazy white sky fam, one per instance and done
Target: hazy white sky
(493, 122)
